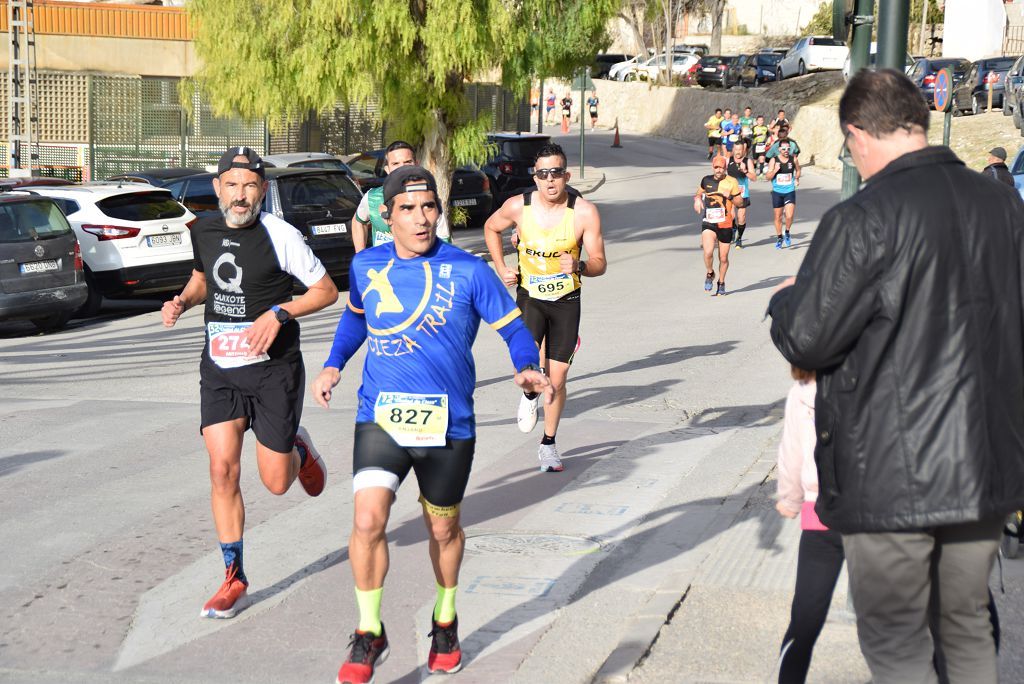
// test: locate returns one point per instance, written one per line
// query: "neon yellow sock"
(369, 610)
(444, 606)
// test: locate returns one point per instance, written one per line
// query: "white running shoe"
(549, 461)
(527, 416)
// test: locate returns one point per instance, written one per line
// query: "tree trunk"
(717, 8)
(436, 157)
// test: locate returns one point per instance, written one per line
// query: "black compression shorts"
(724, 235)
(269, 394)
(556, 324)
(442, 472)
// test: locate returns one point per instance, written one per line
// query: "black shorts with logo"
(441, 472)
(269, 394)
(724, 235)
(555, 323)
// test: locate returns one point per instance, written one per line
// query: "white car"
(812, 53)
(134, 237)
(651, 69)
(305, 160)
(618, 71)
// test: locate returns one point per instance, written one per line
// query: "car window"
(999, 64)
(364, 166)
(32, 220)
(710, 61)
(319, 164)
(175, 188)
(67, 206)
(826, 42)
(917, 71)
(199, 196)
(141, 206)
(768, 60)
(523, 149)
(329, 191)
(1018, 165)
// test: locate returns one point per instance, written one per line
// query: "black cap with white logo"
(253, 161)
(408, 179)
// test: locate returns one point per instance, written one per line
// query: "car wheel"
(630, 77)
(91, 307)
(1007, 108)
(757, 82)
(778, 74)
(956, 111)
(53, 322)
(1018, 120)
(801, 68)
(977, 106)
(1010, 545)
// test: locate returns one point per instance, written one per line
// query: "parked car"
(156, 176)
(19, 182)
(305, 160)
(134, 237)
(651, 70)
(716, 70)
(698, 49)
(812, 53)
(511, 168)
(41, 277)
(971, 94)
(1017, 170)
(908, 62)
(924, 71)
(758, 68)
(603, 63)
(320, 203)
(471, 188)
(617, 72)
(1012, 86)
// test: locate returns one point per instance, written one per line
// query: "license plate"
(330, 229)
(709, 70)
(464, 202)
(38, 266)
(171, 240)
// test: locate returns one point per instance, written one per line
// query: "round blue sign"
(943, 83)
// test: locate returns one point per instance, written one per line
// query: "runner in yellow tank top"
(553, 224)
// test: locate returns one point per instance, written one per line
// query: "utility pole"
(924, 23)
(860, 45)
(893, 22)
(21, 81)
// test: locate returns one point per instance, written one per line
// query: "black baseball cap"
(998, 152)
(397, 182)
(253, 161)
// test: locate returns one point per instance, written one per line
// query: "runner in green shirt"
(760, 144)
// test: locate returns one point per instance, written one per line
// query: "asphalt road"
(653, 531)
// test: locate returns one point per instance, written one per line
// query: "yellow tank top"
(540, 272)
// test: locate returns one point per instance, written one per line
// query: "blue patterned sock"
(233, 555)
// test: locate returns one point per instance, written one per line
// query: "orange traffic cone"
(616, 143)
(565, 124)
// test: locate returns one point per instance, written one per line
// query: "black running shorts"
(555, 324)
(269, 394)
(442, 472)
(724, 235)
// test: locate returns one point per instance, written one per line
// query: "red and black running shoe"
(445, 653)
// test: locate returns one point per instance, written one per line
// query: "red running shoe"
(229, 599)
(313, 475)
(368, 651)
(445, 653)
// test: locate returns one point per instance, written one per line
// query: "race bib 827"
(413, 420)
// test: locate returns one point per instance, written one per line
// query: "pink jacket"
(798, 475)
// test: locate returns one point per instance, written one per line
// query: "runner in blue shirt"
(784, 173)
(731, 134)
(417, 303)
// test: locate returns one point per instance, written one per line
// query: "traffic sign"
(943, 91)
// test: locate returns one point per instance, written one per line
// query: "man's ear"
(216, 186)
(384, 213)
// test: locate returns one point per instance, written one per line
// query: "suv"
(971, 94)
(41, 275)
(924, 72)
(320, 203)
(511, 168)
(715, 69)
(758, 68)
(134, 237)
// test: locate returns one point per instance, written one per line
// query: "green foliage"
(821, 23)
(273, 58)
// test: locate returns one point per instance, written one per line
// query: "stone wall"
(680, 113)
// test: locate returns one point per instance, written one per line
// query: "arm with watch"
(265, 328)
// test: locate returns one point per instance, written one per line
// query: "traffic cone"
(615, 143)
(565, 124)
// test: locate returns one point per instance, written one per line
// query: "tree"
(277, 58)
(716, 8)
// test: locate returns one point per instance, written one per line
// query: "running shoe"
(229, 599)
(721, 289)
(549, 460)
(445, 653)
(709, 280)
(739, 243)
(778, 242)
(527, 416)
(367, 652)
(788, 241)
(313, 475)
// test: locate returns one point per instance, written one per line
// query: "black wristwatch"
(282, 315)
(530, 366)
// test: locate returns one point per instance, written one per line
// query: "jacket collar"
(933, 154)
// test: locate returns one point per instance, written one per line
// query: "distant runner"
(742, 169)
(760, 144)
(784, 173)
(592, 103)
(713, 126)
(716, 196)
(747, 127)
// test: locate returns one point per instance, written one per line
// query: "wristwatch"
(282, 315)
(530, 366)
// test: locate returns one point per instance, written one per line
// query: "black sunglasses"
(543, 174)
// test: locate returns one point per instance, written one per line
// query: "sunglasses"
(544, 174)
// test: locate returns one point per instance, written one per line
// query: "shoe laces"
(361, 645)
(444, 637)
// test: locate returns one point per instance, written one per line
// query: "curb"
(590, 185)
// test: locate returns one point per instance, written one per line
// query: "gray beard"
(235, 221)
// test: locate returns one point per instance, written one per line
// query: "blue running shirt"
(419, 318)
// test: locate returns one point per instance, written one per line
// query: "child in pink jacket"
(821, 549)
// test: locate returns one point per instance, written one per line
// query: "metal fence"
(1013, 40)
(95, 126)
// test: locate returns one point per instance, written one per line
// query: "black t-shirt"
(248, 270)
(734, 170)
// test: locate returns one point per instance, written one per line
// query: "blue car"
(1017, 169)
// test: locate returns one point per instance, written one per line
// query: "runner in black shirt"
(251, 372)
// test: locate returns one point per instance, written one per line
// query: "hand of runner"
(171, 311)
(698, 206)
(783, 511)
(324, 383)
(535, 381)
(788, 282)
(567, 263)
(508, 277)
(262, 334)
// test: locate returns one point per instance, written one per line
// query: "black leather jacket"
(910, 305)
(1000, 172)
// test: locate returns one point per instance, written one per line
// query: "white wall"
(773, 17)
(974, 29)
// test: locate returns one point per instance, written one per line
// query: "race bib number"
(734, 137)
(549, 286)
(714, 214)
(784, 178)
(380, 237)
(759, 148)
(228, 347)
(593, 109)
(413, 420)
(746, 132)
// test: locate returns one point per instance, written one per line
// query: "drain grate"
(518, 544)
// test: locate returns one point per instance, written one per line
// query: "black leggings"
(818, 565)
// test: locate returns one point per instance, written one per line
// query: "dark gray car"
(41, 277)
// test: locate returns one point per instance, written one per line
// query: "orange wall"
(107, 20)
